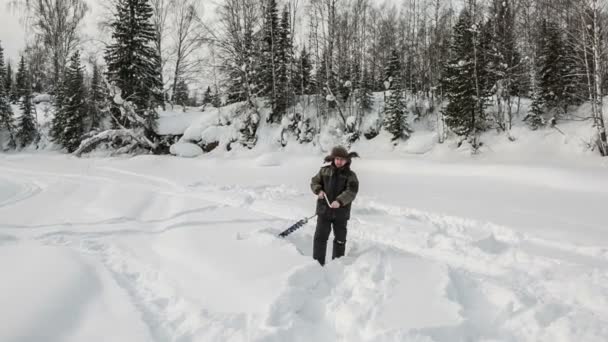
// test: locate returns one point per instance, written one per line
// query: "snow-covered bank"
(166, 248)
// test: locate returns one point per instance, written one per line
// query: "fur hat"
(340, 151)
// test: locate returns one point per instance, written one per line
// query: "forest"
(462, 66)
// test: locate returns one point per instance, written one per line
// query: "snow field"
(164, 249)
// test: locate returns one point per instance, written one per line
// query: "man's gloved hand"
(335, 204)
(321, 194)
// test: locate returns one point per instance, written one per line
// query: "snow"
(57, 294)
(42, 98)
(508, 245)
(184, 149)
(176, 122)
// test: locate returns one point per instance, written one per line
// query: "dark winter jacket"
(339, 184)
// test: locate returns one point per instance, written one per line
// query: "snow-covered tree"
(68, 125)
(181, 94)
(302, 80)
(558, 73)
(365, 96)
(270, 59)
(395, 110)
(134, 62)
(501, 58)
(6, 112)
(284, 66)
(21, 82)
(6, 118)
(99, 101)
(534, 117)
(8, 83)
(2, 70)
(27, 131)
(464, 113)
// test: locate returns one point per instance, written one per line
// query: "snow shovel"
(296, 226)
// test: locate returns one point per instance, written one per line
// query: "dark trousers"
(324, 226)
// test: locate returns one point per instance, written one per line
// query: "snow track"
(409, 274)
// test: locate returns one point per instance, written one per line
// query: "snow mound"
(185, 149)
(176, 122)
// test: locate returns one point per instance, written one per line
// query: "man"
(336, 186)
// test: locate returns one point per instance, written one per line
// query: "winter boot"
(319, 250)
(339, 248)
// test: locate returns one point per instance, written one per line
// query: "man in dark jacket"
(336, 186)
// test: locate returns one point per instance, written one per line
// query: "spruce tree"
(365, 96)
(98, 104)
(6, 112)
(392, 71)
(284, 67)
(395, 109)
(133, 61)
(69, 123)
(242, 81)
(181, 93)
(534, 118)
(207, 97)
(2, 71)
(558, 71)
(270, 59)
(21, 80)
(27, 132)
(303, 82)
(8, 84)
(6, 117)
(464, 113)
(216, 100)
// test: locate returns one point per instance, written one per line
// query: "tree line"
(465, 65)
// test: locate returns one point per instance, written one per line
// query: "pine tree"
(284, 67)
(534, 118)
(558, 71)
(242, 81)
(21, 81)
(216, 100)
(8, 84)
(302, 81)
(6, 118)
(68, 125)
(133, 61)
(395, 109)
(98, 104)
(270, 59)
(464, 113)
(27, 132)
(2, 72)
(365, 96)
(6, 112)
(207, 97)
(392, 71)
(181, 93)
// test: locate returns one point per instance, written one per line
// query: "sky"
(12, 33)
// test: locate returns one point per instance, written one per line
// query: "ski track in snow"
(507, 286)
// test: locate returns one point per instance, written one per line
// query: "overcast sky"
(11, 32)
